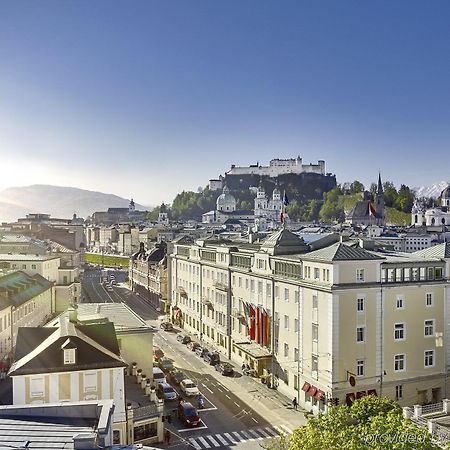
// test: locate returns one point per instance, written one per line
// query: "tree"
(405, 199)
(371, 423)
(390, 194)
(356, 187)
(331, 209)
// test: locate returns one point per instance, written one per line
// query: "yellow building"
(325, 326)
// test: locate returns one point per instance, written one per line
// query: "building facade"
(326, 326)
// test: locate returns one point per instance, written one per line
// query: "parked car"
(211, 358)
(166, 326)
(225, 368)
(177, 376)
(157, 354)
(188, 387)
(166, 392)
(158, 376)
(183, 338)
(200, 351)
(193, 345)
(166, 364)
(188, 414)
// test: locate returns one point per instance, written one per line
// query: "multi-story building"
(329, 325)
(24, 301)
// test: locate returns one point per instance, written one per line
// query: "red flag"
(372, 211)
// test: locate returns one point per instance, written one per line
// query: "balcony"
(221, 286)
(238, 314)
(182, 291)
(206, 301)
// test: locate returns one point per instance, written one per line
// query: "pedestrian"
(294, 403)
(167, 437)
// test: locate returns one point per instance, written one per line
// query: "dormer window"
(69, 349)
(69, 355)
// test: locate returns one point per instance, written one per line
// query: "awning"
(372, 392)
(312, 391)
(306, 386)
(319, 395)
(361, 394)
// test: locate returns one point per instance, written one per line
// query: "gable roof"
(284, 242)
(341, 252)
(39, 351)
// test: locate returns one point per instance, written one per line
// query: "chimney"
(85, 441)
(73, 316)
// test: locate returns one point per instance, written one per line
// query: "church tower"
(380, 209)
(131, 207)
(261, 201)
(163, 217)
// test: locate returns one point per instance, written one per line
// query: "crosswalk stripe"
(271, 431)
(247, 436)
(196, 446)
(230, 438)
(288, 430)
(254, 433)
(260, 430)
(279, 430)
(238, 436)
(214, 442)
(203, 441)
(221, 439)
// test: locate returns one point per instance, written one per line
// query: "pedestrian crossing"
(234, 437)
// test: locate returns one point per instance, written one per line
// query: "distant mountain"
(433, 191)
(58, 201)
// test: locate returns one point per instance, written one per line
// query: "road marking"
(238, 435)
(194, 444)
(208, 409)
(230, 438)
(204, 427)
(206, 387)
(226, 395)
(214, 442)
(204, 442)
(263, 432)
(280, 431)
(254, 420)
(247, 436)
(270, 431)
(288, 430)
(221, 439)
(254, 433)
(237, 404)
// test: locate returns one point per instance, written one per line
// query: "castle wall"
(279, 167)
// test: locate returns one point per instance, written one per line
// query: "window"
(297, 296)
(286, 350)
(399, 362)
(90, 382)
(360, 334)
(399, 331)
(37, 387)
(315, 302)
(69, 356)
(314, 366)
(398, 392)
(315, 332)
(296, 354)
(360, 367)
(296, 325)
(286, 294)
(360, 275)
(33, 266)
(399, 303)
(429, 358)
(429, 299)
(316, 273)
(360, 304)
(277, 292)
(286, 322)
(429, 328)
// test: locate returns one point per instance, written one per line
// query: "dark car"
(166, 364)
(184, 339)
(200, 351)
(193, 345)
(166, 326)
(166, 392)
(225, 369)
(177, 376)
(188, 414)
(212, 358)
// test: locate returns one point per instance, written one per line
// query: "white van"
(158, 376)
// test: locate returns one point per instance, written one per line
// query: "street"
(238, 410)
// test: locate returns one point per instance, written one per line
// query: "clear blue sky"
(147, 98)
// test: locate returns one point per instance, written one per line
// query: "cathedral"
(268, 209)
(433, 217)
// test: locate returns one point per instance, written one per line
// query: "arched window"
(443, 221)
(433, 221)
(415, 218)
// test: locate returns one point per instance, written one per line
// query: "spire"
(380, 184)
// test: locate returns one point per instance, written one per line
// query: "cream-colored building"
(72, 362)
(25, 301)
(329, 325)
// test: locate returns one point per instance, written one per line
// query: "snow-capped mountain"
(433, 191)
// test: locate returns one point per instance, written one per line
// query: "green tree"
(331, 210)
(390, 194)
(356, 187)
(371, 423)
(405, 199)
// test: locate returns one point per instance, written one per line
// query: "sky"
(145, 99)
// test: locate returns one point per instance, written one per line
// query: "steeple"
(381, 212)
(380, 185)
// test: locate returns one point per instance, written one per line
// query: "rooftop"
(15, 257)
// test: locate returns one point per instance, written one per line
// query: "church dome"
(446, 193)
(225, 201)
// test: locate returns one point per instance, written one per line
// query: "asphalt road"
(226, 420)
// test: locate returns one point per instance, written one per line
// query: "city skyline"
(148, 101)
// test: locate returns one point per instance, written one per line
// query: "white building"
(433, 217)
(269, 209)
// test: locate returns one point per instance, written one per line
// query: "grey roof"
(284, 242)
(39, 352)
(436, 251)
(341, 252)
